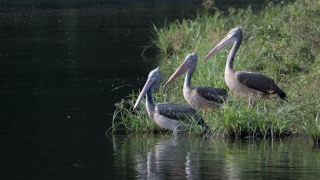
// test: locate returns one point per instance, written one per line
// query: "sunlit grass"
(312, 127)
(280, 41)
(133, 121)
(237, 120)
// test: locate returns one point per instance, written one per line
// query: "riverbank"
(280, 41)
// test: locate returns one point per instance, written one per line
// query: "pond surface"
(63, 65)
(174, 157)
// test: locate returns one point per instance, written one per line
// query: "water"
(165, 157)
(63, 65)
(62, 68)
(61, 72)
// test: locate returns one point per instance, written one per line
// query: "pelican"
(200, 97)
(249, 84)
(174, 117)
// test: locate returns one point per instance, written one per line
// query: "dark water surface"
(62, 68)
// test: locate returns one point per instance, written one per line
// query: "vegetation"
(281, 41)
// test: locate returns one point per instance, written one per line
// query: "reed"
(281, 41)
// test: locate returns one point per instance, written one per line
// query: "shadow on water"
(165, 157)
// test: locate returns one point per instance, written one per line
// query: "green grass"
(134, 121)
(280, 41)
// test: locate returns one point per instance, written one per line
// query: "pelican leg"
(252, 102)
(252, 99)
(203, 113)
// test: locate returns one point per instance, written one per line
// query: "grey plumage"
(198, 97)
(260, 82)
(182, 112)
(250, 84)
(218, 95)
(174, 117)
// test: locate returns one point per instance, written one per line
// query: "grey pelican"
(250, 84)
(199, 97)
(174, 117)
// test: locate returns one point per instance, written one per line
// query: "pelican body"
(170, 116)
(199, 97)
(243, 83)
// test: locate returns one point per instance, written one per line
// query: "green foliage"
(133, 121)
(263, 120)
(280, 41)
(312, 127)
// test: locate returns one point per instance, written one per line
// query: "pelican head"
(189, 62)
(153, 81)
(234, 35)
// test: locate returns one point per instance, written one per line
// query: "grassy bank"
(280, 41)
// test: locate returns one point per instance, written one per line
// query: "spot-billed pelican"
(198, 97)
(250, 84)
(174, 117)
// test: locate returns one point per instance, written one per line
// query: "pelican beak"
(227, 40)
(180, 70)
(144, 91)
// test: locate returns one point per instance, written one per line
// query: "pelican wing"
(218, 95)
(178, 112)
(259, 82)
